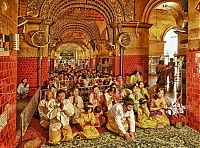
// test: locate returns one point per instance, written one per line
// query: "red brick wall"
(131, 63)
(51, 65)
(193, 89)
(8, 81)
(27, 68)
(44, 70)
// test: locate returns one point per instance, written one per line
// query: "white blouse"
(60, 117)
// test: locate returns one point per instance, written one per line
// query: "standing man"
(121, 119)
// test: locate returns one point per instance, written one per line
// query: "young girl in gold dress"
(87, 121)
(144, 119)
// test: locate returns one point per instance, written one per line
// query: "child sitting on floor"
(100, 119)
(87, 121)
(144, 119)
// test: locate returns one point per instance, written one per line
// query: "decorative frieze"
(11, 26)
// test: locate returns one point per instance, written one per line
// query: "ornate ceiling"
(83, 21)
(90, 19)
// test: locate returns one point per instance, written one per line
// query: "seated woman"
(77, 102)
(117, 93)
(143, 91)
(111, 99)
(158, 107)
(144, 119)
(87, 122)
(23, 88)
(97, 98)
(136, 77)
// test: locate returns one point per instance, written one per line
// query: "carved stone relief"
(50, 8)
(110, 34)
(8, 23)
(129, 11)
(34, 7)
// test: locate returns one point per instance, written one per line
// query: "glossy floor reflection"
(170, 89)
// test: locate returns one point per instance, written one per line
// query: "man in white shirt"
(59, 129)
(121, 119)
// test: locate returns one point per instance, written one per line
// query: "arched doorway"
(171, 45)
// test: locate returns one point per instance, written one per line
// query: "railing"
(27, 113)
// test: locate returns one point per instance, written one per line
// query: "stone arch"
(59, 28)
(151, 5)
(91, 31)
(165, 32)
(79, 43)
(50, 9)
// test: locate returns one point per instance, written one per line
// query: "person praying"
(44, 107)
(59, 128)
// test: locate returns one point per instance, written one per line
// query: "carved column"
(30, 58)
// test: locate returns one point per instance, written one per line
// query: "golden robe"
(119, 120)
(144, 119)
(59, 129)
(159, 116)
(87, 121)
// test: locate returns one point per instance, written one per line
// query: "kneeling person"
(144, 119)
(121, 119)
(44, 107)
(59, 129)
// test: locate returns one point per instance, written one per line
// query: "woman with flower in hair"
(159, 105)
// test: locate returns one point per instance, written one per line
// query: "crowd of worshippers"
(120, 110)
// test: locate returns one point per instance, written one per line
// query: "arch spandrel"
(51, 8)
(152, 4)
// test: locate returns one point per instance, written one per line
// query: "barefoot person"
(121, 119)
